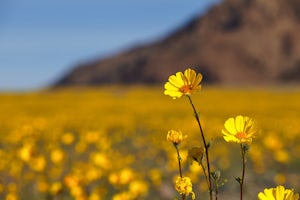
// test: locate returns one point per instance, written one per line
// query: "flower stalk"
(179, 160)
(206, 146)
(239, 129)
(183, 184)
(241, 181)
(179, 166)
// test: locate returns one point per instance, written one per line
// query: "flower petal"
(173, 94)
(239, 123)
(230, 138)
(279, 192)
(176, 80)
(185, 83)
(190, 75)
(230, 126)
(169, 86)
(197, 80)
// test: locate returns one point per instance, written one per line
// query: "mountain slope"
(236, 42)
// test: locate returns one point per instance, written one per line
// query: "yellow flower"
(67, 138)
(241, 129)
(123, 177)
(122, 196)
(183, 84)
(38, 163)
(42, 186)
(278, 193)
(55, 188)
(126, 175)
(138, 188)
(184, 186)
(175, 137)
(101, 160)
(71, 181)
(57, 156)
(26, 152)
(11, 196)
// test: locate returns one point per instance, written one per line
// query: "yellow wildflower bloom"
(100, 159)
(126, 175)
(123, 177)
(94, 196)
(122, 196)
(278, 193)
(42, 186)
(57, 155)
(183, 84)
(241, 129)
(113, 178)
(175, 137)
(184, 186)
(138, 188)
(38, 163)
(55, 188)
(11, 196)
(26, 152)
(71, 181)
(67, 138)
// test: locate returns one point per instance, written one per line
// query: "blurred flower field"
(110, 142)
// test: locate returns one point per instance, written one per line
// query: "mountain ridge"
(235, 42)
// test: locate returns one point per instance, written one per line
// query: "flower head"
(241, 129)
(183, 84)
(184, 186)
(278, 193)
(195, 154)
(175, 137)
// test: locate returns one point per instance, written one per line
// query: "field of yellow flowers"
(110, 142)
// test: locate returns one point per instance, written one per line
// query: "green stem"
(205, 146)
(243, 171)
(179, 160)
(179, 166)
(216, 190)
(205, 173)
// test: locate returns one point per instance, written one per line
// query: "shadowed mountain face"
(236, 42)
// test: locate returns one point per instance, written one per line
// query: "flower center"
(241, 135)
(186, 89)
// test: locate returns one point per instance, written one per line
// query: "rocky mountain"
(235, 42)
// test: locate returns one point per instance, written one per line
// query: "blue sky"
(42, 40)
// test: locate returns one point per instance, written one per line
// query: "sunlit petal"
(240, 129)
(185, 83)
(278, 193)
